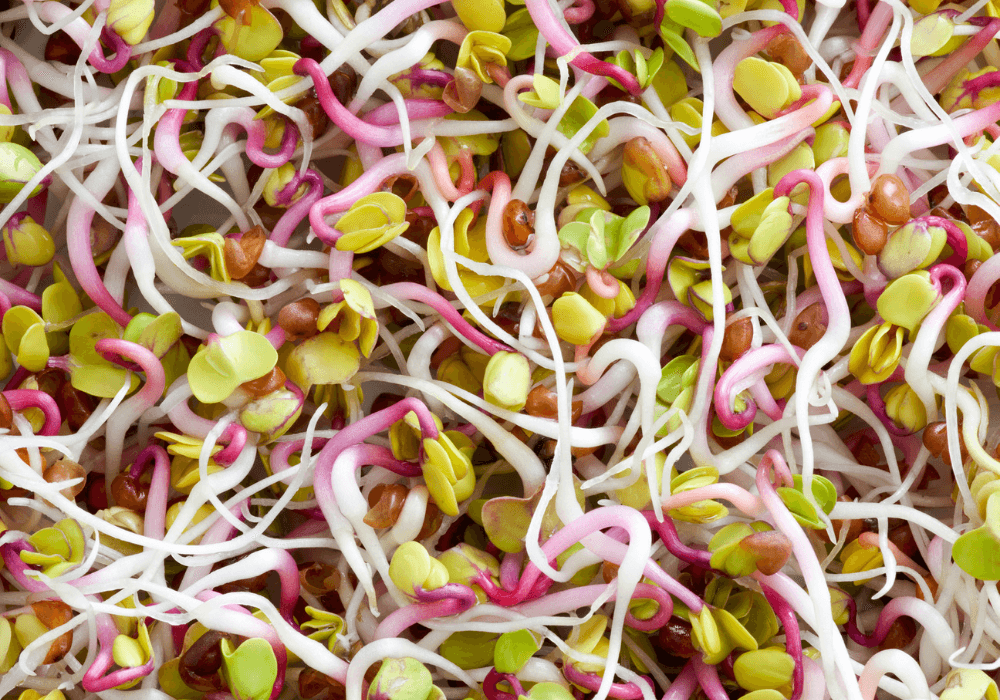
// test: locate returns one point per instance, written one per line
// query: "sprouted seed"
(485, 350)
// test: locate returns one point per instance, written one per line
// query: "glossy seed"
(518, 223)
(241, 255)
(675, 638)
(319, 578)
(808, 327)
(6, 413)
(386, 502)
(560, 279)
(65, 470)
(268, 384)
(316, 116)
(869, 232)
(129, 493)
(433, 517)
(890, 200)
(200, 664)
(298, 319)
(737, 339)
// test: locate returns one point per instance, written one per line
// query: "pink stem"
(563, 42)
(410, 291)
(663, 236)
(752, 362)
(21, 399)
(154, 524)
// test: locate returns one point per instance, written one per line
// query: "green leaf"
(523, 34)
(575, 235)
(17, 166)
(673, 36)
(481, 15)
(631, 228)
(673, 378)
(763, 669)
(10, 648)
(86, 332)
(469, 649)
(127, 652)
(513, 650)
(907, 300)
(824, 492)
(60, 303)
(252, 41)
(761, 84)
(977, 553)
(401, 679)
(160, 333)
(250, 670)
(696, 15)
(322, 359)
(931, 34)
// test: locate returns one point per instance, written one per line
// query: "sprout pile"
(486, 350)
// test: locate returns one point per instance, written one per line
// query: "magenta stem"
(793, 637)
(752, 362)
(21, 399)
(290, 220)
(563, 42)
(411, 291)
(154, 524)
(592, 682)
(663, 236)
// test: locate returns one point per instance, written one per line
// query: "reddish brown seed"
(787, 50)
(902, 537)
(62, 49)
(343, 82)
(433, 517)
(985, 226)
(75, 406)
(571, 173)
(559, 280)
(463, 91)
(65, 470)
(542, 403)
(518, 223)
(6, 413)
(694, 243)
(675, 638)
(609, 571)
(900, 634)
(199, 665)
(94, 494)
(129, 493)
(869, 232)
(52, 614)
(319, 578)
(935, 438)
(404, 185)
(386, 502)
(242, 255)
(890, 200)
(808, 327)
(970, 267)
(298, 319)
(269, 383)
(319, 122)
(771, 548)
(313, 685)
(736, 340)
